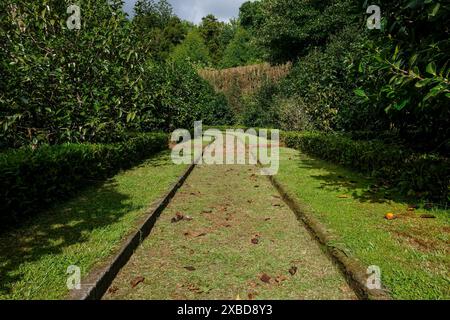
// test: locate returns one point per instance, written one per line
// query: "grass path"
(237, 240)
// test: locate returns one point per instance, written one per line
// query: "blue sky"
(194, 10)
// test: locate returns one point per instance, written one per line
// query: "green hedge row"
(426, 174)
(32, 179)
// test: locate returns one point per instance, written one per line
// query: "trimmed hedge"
(426, 174)
(31, 179)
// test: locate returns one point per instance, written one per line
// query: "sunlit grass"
(412, 252)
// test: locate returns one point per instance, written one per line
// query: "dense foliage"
(158, 28)
(94, 84)
(193, 49)
(388, 86)
(32, 179)
(242, 50)
(348, 78)
(411, 173)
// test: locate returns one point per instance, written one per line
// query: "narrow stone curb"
(352, 269)
(95, 285)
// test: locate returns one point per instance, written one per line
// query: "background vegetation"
(399, 76)
(390, 85)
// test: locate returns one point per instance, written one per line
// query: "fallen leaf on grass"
(194, 289)
(265, 278)
(136, 281)
(113, 290)
(293, 270)
(255, 240)
(276, 204)
(190, 268)
(343, 196)
(198, 234)
(428, 216)
(280, 279)
(178, 217)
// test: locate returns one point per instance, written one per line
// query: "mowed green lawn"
(82, 232)
(412, 252)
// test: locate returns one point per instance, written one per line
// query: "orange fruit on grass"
(390, 216)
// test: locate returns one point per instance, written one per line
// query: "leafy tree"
(211, 30)
(228, 33)
(89, 85)
(193, 49)
(241, 51)
(251, 15)
(406, 71)
(158, 27)
(292, 27)
(150, 14)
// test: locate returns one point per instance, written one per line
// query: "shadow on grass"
(340, 179)
(54, 230)
(65, 224)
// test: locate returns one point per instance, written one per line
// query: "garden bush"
(90, 85)
(32, 179)
(427, 175)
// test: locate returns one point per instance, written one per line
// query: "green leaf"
(435, 10)
(401, 106)
(360, 67)
(131, 116)
(431, 68)
(360, 93)
(423, 83)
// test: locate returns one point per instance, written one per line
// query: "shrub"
(32, 179)
(59, 85)
(426, 174)
(259, 110)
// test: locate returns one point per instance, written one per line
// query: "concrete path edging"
(97, 282)
(352, 269)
